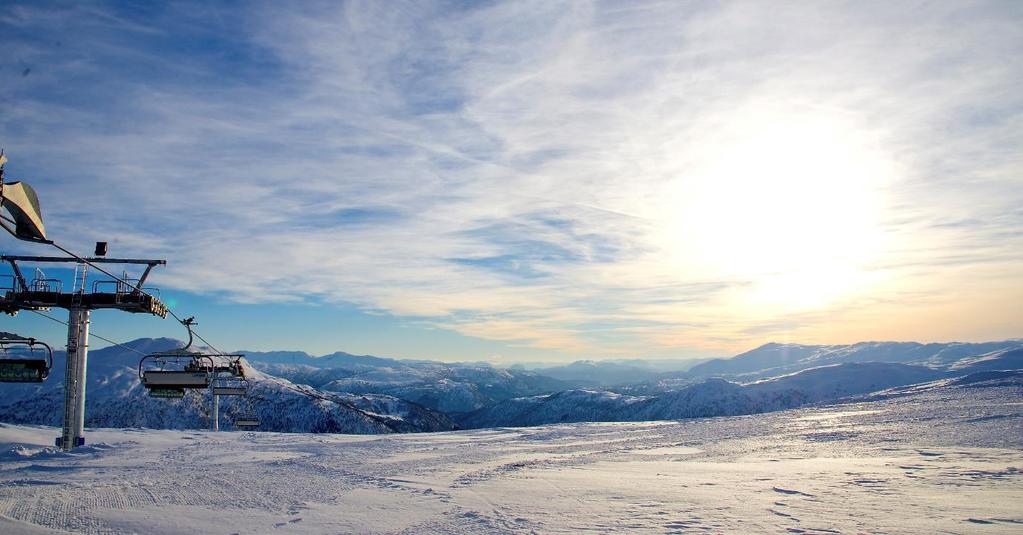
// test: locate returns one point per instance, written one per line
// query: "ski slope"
(944, 457)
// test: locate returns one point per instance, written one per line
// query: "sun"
(791, 204)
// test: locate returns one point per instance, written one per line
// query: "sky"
(531, 181)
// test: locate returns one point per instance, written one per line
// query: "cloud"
(539, 173)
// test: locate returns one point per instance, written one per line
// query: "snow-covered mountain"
(774, 359)
(115, 398)
(340, 392)
(446, 387)
(336, 360)
(840, 380)
(713, 397)
(567, 406)
(1004, 359)
(592, 373)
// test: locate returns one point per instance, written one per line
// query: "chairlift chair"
(248, 419)
(229, 386)
(247, 422)
(175, 372)
(33, 367)
(232, 366)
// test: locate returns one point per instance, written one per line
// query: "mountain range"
(345, 393)
(116, 398)
(774, 358)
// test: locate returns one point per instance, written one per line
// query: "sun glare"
(789, 203)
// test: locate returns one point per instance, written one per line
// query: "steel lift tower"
(43, 294)
(25, 222)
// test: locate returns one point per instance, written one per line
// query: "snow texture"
(943, 456)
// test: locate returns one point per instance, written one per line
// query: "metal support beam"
(18, 275)
(74, 379)
(216, 411)
(142, 279)
(100, 260)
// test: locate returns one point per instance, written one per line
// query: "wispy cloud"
(582, 177)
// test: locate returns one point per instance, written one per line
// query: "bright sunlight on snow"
(940, 457)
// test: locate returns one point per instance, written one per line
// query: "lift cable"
(181, 320)
(129, 284)
(92, 334)
(294, 388)
(199, 336)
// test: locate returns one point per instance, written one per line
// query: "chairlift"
(232, 366)
(31, 364)
(247, 419)
(167, 393)
(169, 374)
(229, 386)
(247, 422)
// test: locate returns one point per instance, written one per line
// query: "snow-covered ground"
(945, 458)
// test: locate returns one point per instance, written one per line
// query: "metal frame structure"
(228, 381)
(195, 374)
(43, 294)
(24, 370)
(222, 373)
(25, 222)
(247, 421)
(229, 386)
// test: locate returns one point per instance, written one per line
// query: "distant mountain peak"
(778, 358)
